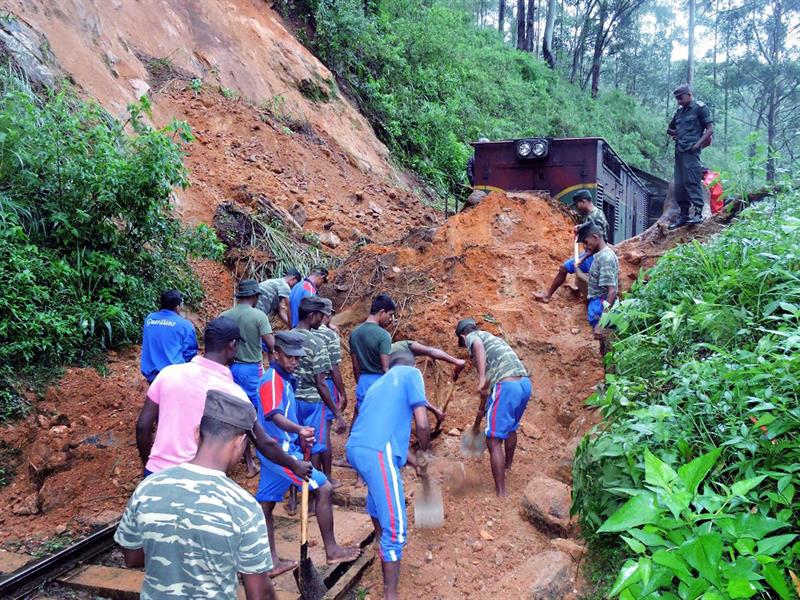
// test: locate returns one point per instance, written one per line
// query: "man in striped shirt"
(502, 381)
(277, 414)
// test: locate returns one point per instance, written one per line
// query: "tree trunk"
(690, 59)
(580, 44)
(547, 42)
(501, 16)
(597, 55)
(521, 43)
(530, 41)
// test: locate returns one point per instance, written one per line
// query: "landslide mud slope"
(484, 263)
(107, 47)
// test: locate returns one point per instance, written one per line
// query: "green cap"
(315, 304)
(290, 343)
(229, 409)
(581, 195)
(247, 288)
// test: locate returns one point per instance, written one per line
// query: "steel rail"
(29, 577)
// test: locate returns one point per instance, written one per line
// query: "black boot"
(696, 219)
(682, 220)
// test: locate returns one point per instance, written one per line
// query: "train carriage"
(560, 166)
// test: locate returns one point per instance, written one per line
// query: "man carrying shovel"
(503, 381)
(277, 414)
(582, 202)
(377, 449)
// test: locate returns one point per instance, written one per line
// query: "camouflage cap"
(290, 343)
(581, 195)
(229, 409)
(681, 90)
(329, 304)
(314, 304)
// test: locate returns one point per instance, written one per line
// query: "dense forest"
(435, 74)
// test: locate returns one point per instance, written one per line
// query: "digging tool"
(473, 440)
(309, 581)
(428, 505)
(437, 430)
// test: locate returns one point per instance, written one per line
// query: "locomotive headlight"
(532, 148)
(539, 148)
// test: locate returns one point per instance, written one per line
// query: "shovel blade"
(473, 444)
(428, 507)
(309, 581)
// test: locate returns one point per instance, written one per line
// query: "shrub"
(707, 360)
(87, 241)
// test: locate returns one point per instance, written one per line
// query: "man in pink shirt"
(176, 400)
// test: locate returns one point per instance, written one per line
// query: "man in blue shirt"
(377, 449)
(277, 414)
(308, 287)
(167, 338)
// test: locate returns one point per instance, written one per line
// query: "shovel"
(428, 505)
(309, 581)
(437, 430)
(473, 440)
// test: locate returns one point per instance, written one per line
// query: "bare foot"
(281, 566)
(335, 484)
(291, 507)
(340, 554)
(541, 297)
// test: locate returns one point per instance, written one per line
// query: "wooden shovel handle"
(304, 510)
(449, 396)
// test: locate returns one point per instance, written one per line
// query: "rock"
(475, 198)
(429, 556)
(546, 503)
(44, 457)
(30, 505)
(476, 546)
(29, 51)
(330, 239)
(140, 87)
(375, 208)
(575, 330)
(61, 529)
(43, 421)
(563, 471)
(553, 575)
(454, 432)
(568, 546)
(565, 415)
(486, 535)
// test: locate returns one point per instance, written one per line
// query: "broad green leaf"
(703, 553)
(645, 570)
(677, 501)
(639, 510)
(749, 525)
(628, 575)
(741, 588)
(773, 545)
(634, 545)
(744, 546)
(693, 473)
(673, 561)
(776, 580)
(740, 488)
(711, 595)
(657, 472)
(647, 538)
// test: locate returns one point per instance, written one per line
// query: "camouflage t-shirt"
(598, 219)
(332, 343)
(272, 290)
(402, 345)
(315, 361)
(603, 273)
(198, 529)
(501, 360)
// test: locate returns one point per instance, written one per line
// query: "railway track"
(32, 576)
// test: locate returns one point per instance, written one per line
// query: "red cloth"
(713, 183)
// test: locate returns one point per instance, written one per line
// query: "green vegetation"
(430, 80)
(696, 465)
(87, 241)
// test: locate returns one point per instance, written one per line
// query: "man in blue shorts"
(503, 381)
(277, 414)
(306, 288)
(603, 278)
(582, 202)
(370, 346)
(377, 450)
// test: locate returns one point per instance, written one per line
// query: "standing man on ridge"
(167, 338)
(308, 287)
(691, 127)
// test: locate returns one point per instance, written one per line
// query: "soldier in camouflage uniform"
(274, 298)
(193, 528)
(334, 382)
(603, 279)
(582, 203)
(691, 127)
(503, 381)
